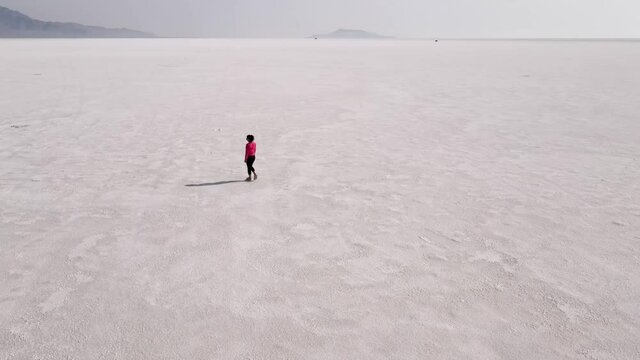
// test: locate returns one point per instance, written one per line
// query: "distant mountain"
(350, 34)
(14, 24)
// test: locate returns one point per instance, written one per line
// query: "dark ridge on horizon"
(14, 24)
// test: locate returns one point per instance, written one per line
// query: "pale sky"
(301, 18)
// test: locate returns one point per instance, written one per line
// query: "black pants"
(250, 161)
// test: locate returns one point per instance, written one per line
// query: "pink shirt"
(249, 150)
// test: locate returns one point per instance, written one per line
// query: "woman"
(250, 157)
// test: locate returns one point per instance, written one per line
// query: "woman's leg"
(250, 168)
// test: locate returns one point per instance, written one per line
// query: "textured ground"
(459, 200)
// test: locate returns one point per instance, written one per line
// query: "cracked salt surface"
(465, 200)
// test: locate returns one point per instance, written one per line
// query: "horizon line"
(325, 38)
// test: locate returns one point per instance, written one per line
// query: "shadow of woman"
(215, 183)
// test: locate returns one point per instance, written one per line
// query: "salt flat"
(458, 200)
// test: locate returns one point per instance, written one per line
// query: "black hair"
(250, 137)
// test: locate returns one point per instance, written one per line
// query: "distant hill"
(14, 24)
(350, 34)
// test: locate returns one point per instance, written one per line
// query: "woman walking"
(250, 157)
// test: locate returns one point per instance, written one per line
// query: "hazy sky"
(300, 18)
